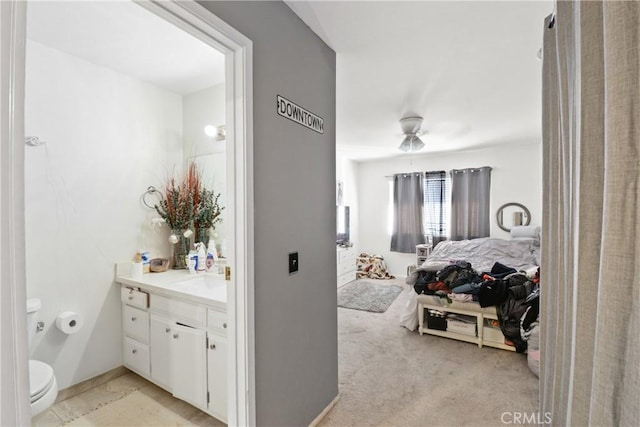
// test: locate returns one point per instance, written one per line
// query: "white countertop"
(203, 288)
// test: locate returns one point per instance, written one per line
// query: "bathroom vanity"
(175, 335)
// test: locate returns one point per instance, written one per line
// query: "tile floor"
(78, 408)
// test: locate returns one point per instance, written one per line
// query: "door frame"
(201, 23)
(14, 375)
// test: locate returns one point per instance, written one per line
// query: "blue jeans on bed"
(468, 288)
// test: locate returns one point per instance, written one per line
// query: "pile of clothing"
(515, 294)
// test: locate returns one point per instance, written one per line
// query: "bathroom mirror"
(202, 111)
(512, 214)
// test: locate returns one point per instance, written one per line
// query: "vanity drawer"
(217, 321)
(183, 312)
(134, 297)
(136, 356)
(135, 323)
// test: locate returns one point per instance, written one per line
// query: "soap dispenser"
(212, 255)
(192, 260)
(202, 257)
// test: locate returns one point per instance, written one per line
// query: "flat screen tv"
(342, 224)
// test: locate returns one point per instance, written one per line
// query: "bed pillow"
(525, 232)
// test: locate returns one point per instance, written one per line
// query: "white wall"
(107, 137)
(516, 177)
(347, 172)
(202, 108)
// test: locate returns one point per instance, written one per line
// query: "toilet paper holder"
(69, 322)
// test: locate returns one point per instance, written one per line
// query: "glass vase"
(181, 247)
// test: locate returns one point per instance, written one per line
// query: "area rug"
(368, 295)
(135, 409)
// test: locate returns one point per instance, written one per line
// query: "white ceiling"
(127, 38)
(469, 68)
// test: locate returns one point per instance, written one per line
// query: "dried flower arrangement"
(188, 204)
(177, 206)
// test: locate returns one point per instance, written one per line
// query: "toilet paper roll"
(136, 270)
(69, 322)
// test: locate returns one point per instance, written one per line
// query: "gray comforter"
(482, 254)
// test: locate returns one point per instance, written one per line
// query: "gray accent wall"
(294, 198)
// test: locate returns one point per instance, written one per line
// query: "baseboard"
(86, 385)
(324, 412)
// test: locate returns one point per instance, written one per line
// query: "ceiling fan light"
(417, 144)
(406, 144)
(411, 125)
(411, 128)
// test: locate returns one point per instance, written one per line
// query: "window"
(437, 204)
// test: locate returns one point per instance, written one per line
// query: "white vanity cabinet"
(178, 344)
(189, 364)
(217, 362)
(136, 356)
(217, 375)
(179, 358)
(135, 327)
(160, 337)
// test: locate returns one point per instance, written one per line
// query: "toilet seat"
(41, 379)
(43, 387)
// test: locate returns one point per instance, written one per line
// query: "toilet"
(42, 382)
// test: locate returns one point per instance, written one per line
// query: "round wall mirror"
(512, 214)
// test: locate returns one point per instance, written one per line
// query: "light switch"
(293, 262)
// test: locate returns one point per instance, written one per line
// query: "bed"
(502, 286)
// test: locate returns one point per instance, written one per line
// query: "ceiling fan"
(411, 129)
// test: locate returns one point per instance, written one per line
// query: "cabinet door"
(189, 365)
(217, 376)
(161, 340)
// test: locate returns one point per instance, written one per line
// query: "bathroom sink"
(205, 281)
(213, 287)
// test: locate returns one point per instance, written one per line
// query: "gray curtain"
(408, 229)
(590, 273)
(470, 196)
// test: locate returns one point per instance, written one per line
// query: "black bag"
(424, 278)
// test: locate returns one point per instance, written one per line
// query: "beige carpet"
(392, 377)
(135, 409)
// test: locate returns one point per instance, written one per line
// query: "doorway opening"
(107, 137)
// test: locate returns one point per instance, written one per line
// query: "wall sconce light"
(219, 133)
